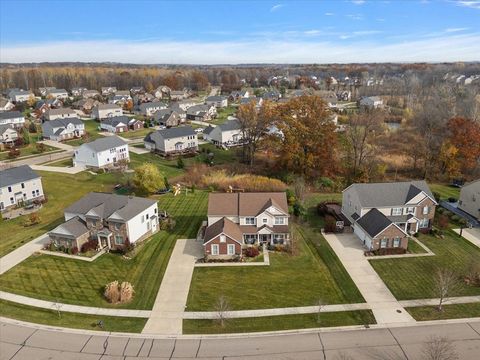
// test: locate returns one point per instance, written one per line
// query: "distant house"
(227, 134)
(114, 221)
(271, 95)
(102, 153)
(19, 186)
(167, 117)
(44, 90)
(103, 111)
(344, 95)
(41, 107)
(254, 99)
(175, 140)
(135, 124)
(148, 109)
(371, 102)
(178, 95)
(12, 118)
(469, 200)
(116, 124)
(201, 112)
(385, 214)
(121, 96)
(239, 220)
(6, 105)
(20, 95)
(63, 129)
(61, 94)
(90, 94)
(137, 90)
(54, 103)
(143, 98)
(8, 135)
(61, 113)
(217, 101)
(77, 91)
(86, 105)
(162, 92)
(108, 90)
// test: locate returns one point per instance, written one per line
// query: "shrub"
(440, 210)
(74, 250)
(330, 224)
(32, 127)
(167, 224)
(40, 147)
(298, 209)
(436, 195)
(13, 153)
(126, 292)
(390, 251)
(33, 219)
(91, 244)
(180, 163)
(455, 218)
(443, 221)
(112, 293)
(251, 251)
(220, 180)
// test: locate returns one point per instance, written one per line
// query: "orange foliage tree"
(464, 135)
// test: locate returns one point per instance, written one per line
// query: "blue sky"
(212, 32)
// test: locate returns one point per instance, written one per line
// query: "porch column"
(99, 241)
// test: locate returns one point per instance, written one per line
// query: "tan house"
(469, 200)
(62, 113)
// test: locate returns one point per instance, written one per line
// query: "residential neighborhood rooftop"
(16, 175)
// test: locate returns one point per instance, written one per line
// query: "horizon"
(241, 33)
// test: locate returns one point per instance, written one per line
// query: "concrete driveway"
(385, 307)
(17, 256)
(472, 235)
(167, 313)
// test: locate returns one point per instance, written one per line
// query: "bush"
(298, 209)
(74, 250)
(220, 180)
(126, 292)
(330, 224)
(112, 293)
(436, 195)
(443, 221)
(40, 147)
(33, 219)
(13, 153)
(91, 244)
(180, 163)
(390, 251)
(32, 127)
(167, 224)
(251, 251)
(440, 210)
(455, 218)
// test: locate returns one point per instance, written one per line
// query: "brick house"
(384, 215)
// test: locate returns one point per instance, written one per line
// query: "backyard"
(223, 114)
(137, 134)
(91, 127)
(78, 282)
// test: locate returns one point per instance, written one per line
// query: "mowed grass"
(168, 168)
(445, 191)
(61, 190)
(78, 282)
(61, 163)
(136, 134)
(72, 320)
(414, 278)
(91, 127)
(450, 311)
(29, 150)
(223, 114)
(282, 322)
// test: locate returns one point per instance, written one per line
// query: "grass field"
(78, 282)
(91, 127)
(445, 191)
(61, 163)
(28, 150)
(452, 311)
(223, 114)
(140, 133)
(168, 168)
(61, 190)
(413, 278)
(72, 320)
(282, 322)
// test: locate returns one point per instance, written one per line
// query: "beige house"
(469, 200)
(103, 111)
(62, 113)
(176, 140)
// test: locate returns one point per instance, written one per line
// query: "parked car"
(199, 130)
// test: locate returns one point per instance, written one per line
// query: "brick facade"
(222, 248)
(390, 233)
(431, 214)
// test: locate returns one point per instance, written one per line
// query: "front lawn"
(78, 282)
(223, 114)
(91, 128)
(29, 150)
(413, 278)
(72, 320)
(281, 322)
(61, 163)
(140, 133)
(451, 311)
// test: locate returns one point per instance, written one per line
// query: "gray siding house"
(172, 141)
(63, 129)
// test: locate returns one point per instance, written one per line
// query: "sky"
(239, 32)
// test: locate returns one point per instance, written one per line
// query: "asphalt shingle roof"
(171, 133)
(17, 175)
(105, 143)
(374, 222)
(10, 115)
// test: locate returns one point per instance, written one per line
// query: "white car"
(199, 130)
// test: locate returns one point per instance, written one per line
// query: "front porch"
(266, 238)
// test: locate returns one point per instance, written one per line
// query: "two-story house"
(20, 95)
(176, 140)
(217, 101)
(103, 111)
(371, 102)
(469, 200)
(227, 134)
(77, 91)
(8, 135)
(383, 215)
(61, 94)
(63, 129)
(201, 112)
(12, 118)
(62, 113)
(238, 220)
(116, 124)
(148, 109)
(19, 186)
(113, 220)
(167, 117)
(102, 153)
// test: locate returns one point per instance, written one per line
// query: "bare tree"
(446, 282)
(222, 307)
(439, 348)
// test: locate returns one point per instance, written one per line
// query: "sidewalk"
(39, 159)
(385, 308)
(59, 169)
(446, 301)
(167, 313)
(58, 144)
(17, 256)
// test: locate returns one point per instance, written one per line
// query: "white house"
(101, 153)
(228, 134)
(172, 141)
(19, 185)
(150, 108)
(19, 95)
(217, 101)
(371, 102)
(61, 94)
(6, 105)
(8, 135)
(116, 124)
(108, 90)
(103, 111)
(44, 90)
(61, 113)
(13, 118)
(63, 129)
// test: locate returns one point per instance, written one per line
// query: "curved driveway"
(28, 341)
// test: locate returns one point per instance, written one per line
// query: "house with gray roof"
(469, 200)
(149, 108)
(217, 101)
(371, 102)
(12, 118)
(168, 117)
(63, 129)
(19, 186)
(61, 94)
(176, 140)
(6, 105)
(61, 113)
(103, 111)
(116, 124)
(384, 215)
(227, 134)
(201, 112)
(20, 95)
(105, 152)
(113, 221)
(8, 135)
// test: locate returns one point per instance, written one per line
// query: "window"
(23, 186)
(118, 226)
(11, 201)
(396, 242)
(118, 240)
(249, 238)
(146, 216)
(264, 220)
(279, 220)
(223, 238)
(250, 221)
(426, 210)
(155, 210)
(396, 211)
(278, 238)
(383, 243)
(37, 192)
(423, 223)
(9, 189)
(231, 249)
(33, 192)
(214, 249)
(410, 210)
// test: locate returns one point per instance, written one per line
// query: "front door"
(103, 242)
(264, 238)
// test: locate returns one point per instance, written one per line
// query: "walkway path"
(472, 235)
(58, 144)
(385, 307)
(39, 159)
(167, 312)
(17, 256)
(446, 301)
(137, 150)
(59, 169)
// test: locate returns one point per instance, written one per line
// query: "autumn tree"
(148, 178)
(309, 140)
(446, 282)
(448, 160)
(464, 135)
(199, 81)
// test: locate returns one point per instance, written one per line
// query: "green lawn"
(413, 278)
(61, 190)
(282, 322)
(91, 127)
(141, 133)
(445, 191)
(452, 311)
(167, 167)
(78, 282)
(28, 150)
(414, 248)
(223, 114)
(61, 163)
(220, 156)
(72, 320)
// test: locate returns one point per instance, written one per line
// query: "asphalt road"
(21, 341)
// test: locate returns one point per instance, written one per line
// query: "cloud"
(358, 34)
(452, 30)
(358, 2)
(355, 16)
(276, 7)
(454, 47)
(329, 14)
(474, 4)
